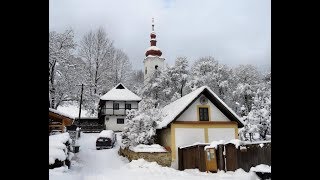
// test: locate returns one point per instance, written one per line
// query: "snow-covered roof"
(160, 57)
(61, 113)
(155, 48)
(174, 109)
(120, 93)
(106, 134)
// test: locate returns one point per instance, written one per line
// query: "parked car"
(105, 140)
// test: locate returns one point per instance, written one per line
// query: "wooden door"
(211, 160)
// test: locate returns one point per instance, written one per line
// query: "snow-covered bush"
(60, 150)
(140, 127)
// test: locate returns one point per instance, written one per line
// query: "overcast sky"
(233, 31)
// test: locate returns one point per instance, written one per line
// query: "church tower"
(153, 59)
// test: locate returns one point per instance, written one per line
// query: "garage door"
(185, 137)
(216, 134)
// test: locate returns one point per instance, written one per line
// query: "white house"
(198, 117)
(113, 106)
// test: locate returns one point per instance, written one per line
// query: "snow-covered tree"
(60, 50)
(244, 94)
(105, 67)
(206, 71)
(69, 75)
(247, 74)
(119, 69)
(259, 115)
(140, 127)
(179, 75)
(135, 82)
(154, 89)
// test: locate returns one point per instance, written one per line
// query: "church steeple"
(153, 60)
(153, 49)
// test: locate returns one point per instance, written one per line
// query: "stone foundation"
(162, 158)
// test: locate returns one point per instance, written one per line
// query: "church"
(153, 59)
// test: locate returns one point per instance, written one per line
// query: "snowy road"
(92, 164)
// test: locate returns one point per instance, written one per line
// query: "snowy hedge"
(59, 150)
(140, 127)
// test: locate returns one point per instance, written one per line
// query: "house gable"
(120, 93)
(175, 109)
(192, 112)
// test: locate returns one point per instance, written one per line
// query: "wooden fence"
(192, 157)
(90, 124)
(245, 156)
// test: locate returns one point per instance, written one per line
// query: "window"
(156, 67)
(203, 114)
(120, 86)
(120, 121)
(128, 106)
(145, 71)
(116, 106)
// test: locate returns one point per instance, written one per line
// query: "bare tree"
(95, 49)
(120, 67)
(105, 65)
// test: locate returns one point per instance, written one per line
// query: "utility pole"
(80, 101)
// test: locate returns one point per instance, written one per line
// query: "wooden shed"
(58, 120)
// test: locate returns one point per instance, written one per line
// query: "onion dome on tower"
(153, 50)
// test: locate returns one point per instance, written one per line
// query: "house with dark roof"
(113, 105)
(198, 117)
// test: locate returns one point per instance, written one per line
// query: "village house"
(113, 105)
(198, 117)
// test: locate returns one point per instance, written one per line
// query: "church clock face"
(203, 100)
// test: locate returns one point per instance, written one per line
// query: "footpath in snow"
(92, 164)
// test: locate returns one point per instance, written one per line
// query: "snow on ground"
(92, 164)
(148, 148)
(72, 110)
(261, 168)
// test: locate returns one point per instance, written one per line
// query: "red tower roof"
(153, 49)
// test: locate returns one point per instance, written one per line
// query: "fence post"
(180, 159)
(220, 157)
